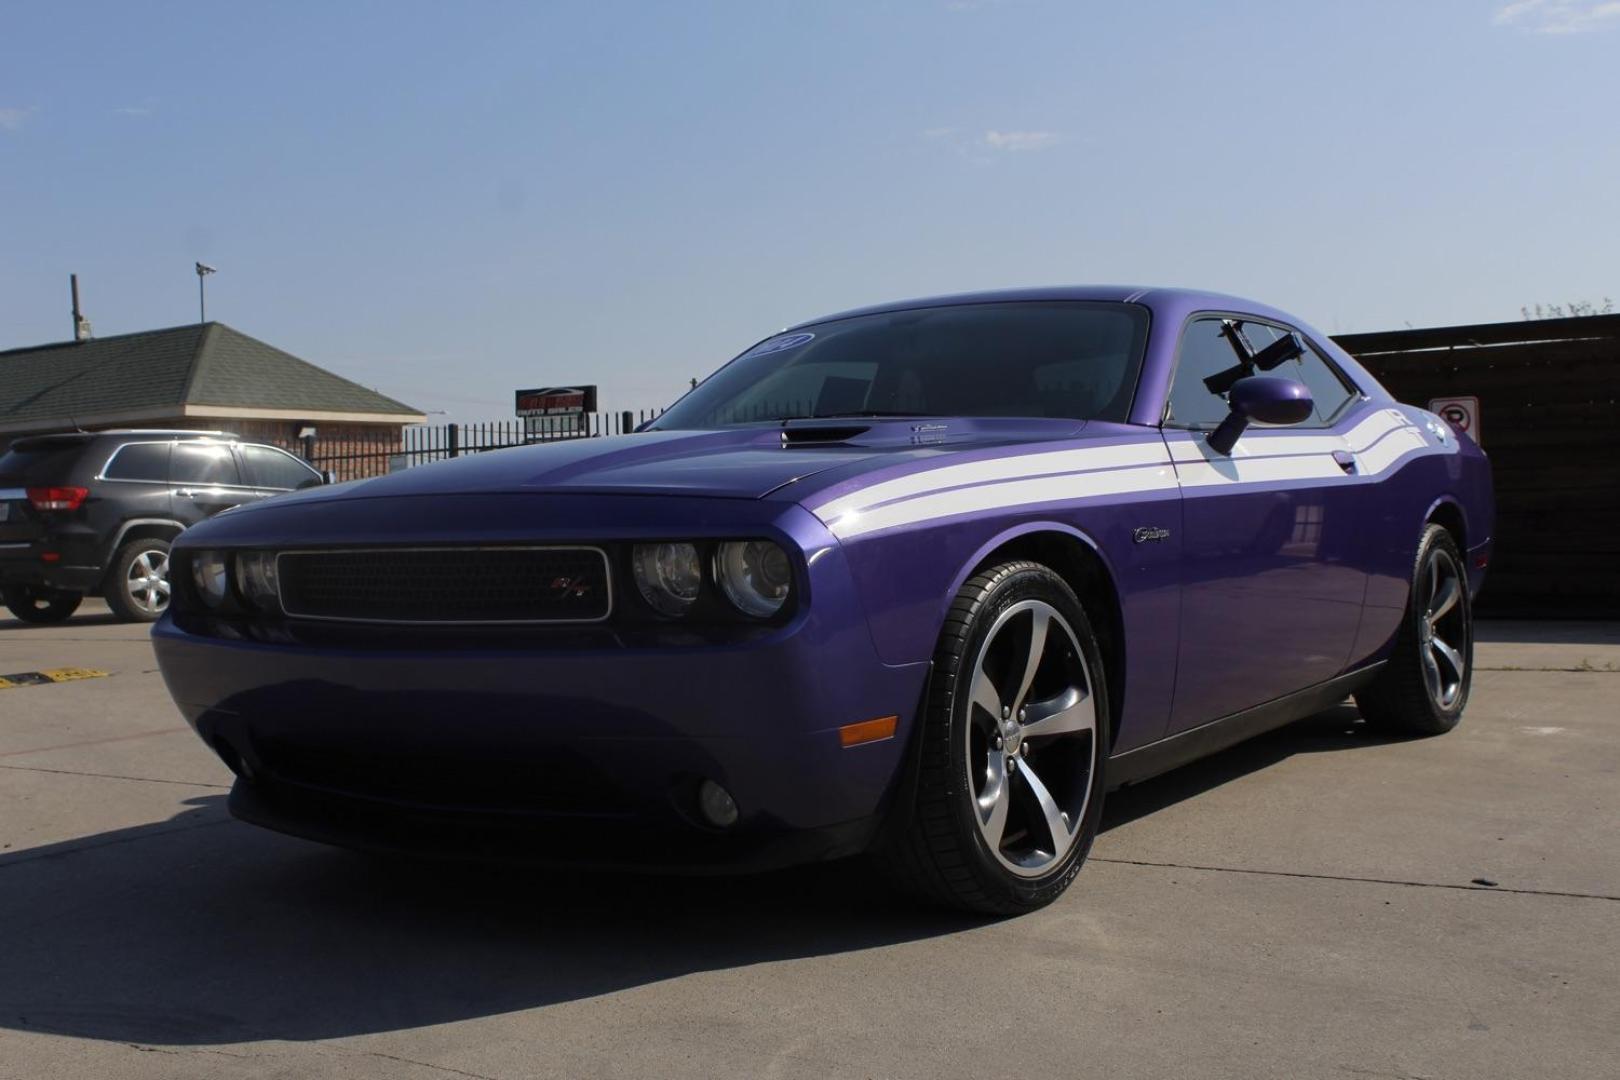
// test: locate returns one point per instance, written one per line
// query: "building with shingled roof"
(200, 376)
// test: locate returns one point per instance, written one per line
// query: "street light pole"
(203, 270)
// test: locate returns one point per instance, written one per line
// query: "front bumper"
(375, 748)
(571, 746)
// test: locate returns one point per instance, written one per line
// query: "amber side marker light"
(868, 731)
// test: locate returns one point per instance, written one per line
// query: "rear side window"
(139, 461)
(274, 468)
(204, 463)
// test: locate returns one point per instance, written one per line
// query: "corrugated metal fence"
(1547, 391)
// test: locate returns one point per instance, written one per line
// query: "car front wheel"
(33, 604)
(1014, 747)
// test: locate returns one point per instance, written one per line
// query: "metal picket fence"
(358, 456)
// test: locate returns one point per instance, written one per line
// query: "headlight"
(256, 577)
(668, 575)
(209, 575)
(755, 575)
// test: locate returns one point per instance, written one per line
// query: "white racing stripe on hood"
(955, 502)
(1017, 467)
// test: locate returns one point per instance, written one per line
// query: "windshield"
(1067, 359)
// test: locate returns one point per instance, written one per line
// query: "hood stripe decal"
(1062, 476)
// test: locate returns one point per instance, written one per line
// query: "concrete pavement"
(1303, 905)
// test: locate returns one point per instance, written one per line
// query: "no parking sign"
(1462, 413)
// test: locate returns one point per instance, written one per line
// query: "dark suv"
(94, 512)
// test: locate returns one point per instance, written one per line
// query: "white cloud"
(1559, 16)
(1021, 140)
(12, 118)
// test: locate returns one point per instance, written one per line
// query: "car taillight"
(57, 498)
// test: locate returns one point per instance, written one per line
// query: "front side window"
(272, 468)
(1065, 359)
(1205, 351)
(209, 464)
(1208, 350)
(139, 461)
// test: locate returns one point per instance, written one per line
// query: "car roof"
(1156, 297)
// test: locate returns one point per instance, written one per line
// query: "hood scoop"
(821, 434)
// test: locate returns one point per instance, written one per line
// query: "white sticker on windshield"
(774, 345)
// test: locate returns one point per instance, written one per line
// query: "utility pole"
(203, 270)
(81, 325)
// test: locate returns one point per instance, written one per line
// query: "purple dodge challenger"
(922, 580)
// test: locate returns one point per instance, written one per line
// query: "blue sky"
(447, 201)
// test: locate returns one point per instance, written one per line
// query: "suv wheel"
(138, 589)
(33, 604)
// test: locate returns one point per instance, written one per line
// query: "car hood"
(744, 463)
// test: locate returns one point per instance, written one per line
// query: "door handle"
(1346, 460)
(185, 493)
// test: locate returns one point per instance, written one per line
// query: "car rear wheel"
(1424, 686)
(1014, 748)
(138, 589)
(33, 604)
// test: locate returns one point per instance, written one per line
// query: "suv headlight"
(210, 576)
(755, 575)
(256, 577)
(668, 575)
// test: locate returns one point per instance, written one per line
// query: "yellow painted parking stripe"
(55, 675)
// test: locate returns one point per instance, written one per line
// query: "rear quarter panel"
(1449, 473)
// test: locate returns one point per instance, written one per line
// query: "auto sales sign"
(556, 410)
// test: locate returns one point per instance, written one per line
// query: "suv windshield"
(1067, 359)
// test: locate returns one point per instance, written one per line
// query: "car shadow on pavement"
(105, 618)
(201, 930)
(1338, 728)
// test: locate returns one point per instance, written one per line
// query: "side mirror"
(1259, 397)
(328, 476)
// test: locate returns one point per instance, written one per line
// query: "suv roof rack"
(163, 431)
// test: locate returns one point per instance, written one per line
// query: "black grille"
(447, 585)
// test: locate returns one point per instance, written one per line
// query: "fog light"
(717, 805)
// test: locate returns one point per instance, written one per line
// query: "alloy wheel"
(1031, 738)
(147, 582)
(1443, 633)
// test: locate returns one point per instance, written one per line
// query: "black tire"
(943, 851)
(1420, 692)
(33, 604)
(127, 600)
